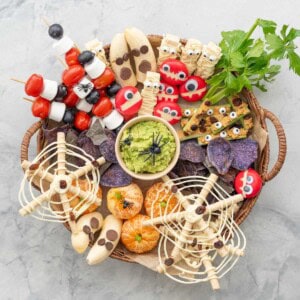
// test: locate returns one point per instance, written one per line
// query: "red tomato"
(34, 85)
(103, 107)
(193, 89)
(71, 57)
(71, 99)
(82, 121)
(40, 108)
(106, 79)
(72, 75)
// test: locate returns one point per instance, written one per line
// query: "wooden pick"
(28, 100)
(18, 80)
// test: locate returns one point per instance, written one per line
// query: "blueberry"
(69, 116)
(92, 97)
(62, 92)
(56, 31)
(85, 57)
(113, 89)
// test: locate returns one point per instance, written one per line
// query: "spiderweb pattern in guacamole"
(139, 138)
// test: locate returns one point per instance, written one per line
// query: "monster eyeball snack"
(170, 137)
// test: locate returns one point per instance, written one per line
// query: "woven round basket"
(262, 163)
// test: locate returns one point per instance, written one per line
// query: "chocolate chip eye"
(222, 110)
(249, 179)
(248, 189)
(174, 113)
(128, 95)
(223, 134)
(166, 68)
(233, 115)
(236, 130)
(218, 125)
(210, 112)
(187, 112)
(119, 61)
(208, 138)
(166, 110)
(191, 85)
(144, 49)
(181, 75)
(170, 90)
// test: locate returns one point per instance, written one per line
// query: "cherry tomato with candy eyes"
(72, 75)
(71, 99)
(82, 121)
(71, 57)
(106, 79)
(34, 85)
(103, 107)
(41, 107)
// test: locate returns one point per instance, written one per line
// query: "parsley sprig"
(248, 62)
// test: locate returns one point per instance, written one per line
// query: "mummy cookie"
(141, 51)
(190, 54)
(149, 93)
(170, 47)
(211, 54)
(107, 241)
(86, 226)
(120, 63)
(97, 48)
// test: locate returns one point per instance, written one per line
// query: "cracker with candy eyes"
(170, 47)
(120, 62)
(141, 51)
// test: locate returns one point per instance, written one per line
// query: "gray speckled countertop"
(37, 261)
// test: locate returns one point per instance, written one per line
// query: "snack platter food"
(144, 157)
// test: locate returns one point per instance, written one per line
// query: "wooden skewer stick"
(46, 22)
(28, 100)
(61, 61)
(18, 80)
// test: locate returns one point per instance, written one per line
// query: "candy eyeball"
(166, 110)
(161, 87)
(170, 111)
(190, 52)
(248, 183)
(210, 112)
(222, 110)
(223, 134)
(170, 90)
(172, 51)
(218, 125)
(187, 113)
(233, 115)
(165, 49)
(166, 68)
(235, 130)
(128, 95)
(208, 138)
(156, 85)
(191, 85)
(147, 84)
(173, 113)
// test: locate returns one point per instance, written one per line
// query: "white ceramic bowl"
(147, 176)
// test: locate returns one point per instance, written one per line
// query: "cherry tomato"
(41, 107)
(106, 79)
(82, 121)
(71, 57)
(72, 75)
(103, 107)
(71, 98)
(34, 85)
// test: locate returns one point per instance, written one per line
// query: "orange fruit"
(138, 238)
(83, 185)
(164, 200)
(125, 202)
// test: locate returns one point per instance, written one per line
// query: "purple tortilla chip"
(190, 150)
(114, 176)
(107, 149)
(87, 145)
(244, 153)
(50, 134)
(220, 154)
(187, 168)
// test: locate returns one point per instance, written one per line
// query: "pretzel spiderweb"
(200, 240)
(57, 176)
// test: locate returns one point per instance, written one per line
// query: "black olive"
(56, 31)
(62, 92)
(86, 57)
(113, 89)
(92, 97)
(69, 116)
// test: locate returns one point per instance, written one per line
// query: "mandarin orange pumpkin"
(138, 238)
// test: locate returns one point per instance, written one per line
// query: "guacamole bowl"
(147, 147)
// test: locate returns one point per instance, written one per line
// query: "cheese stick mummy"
(211, 54)
(190, 54)
(87, 226)
(120, 63)
(149, 93)
(97, 48)
(141, 51)
(107, 241)
(170, 47)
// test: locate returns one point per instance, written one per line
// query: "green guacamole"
(139, 153)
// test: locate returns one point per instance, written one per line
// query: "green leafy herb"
(248, 62)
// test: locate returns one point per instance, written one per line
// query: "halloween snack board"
(128, 112)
